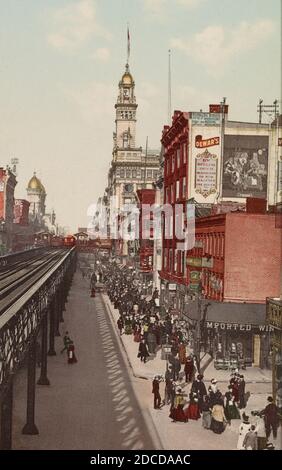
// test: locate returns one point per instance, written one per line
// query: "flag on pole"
(128, 44)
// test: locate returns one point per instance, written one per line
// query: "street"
(91, 404)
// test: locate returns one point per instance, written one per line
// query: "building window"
(184, 152)
(149, 173)
(134, 174)
(143, 174)
(175, 260)
(177, 189)
(122, 172)
(184, 187)
(155, 173)
(182, 262)
(125, 140)
(170, 260)
(128, 173)
(178, 157)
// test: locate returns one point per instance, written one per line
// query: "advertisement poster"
(245, 166)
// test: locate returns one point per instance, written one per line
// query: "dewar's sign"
(201, 143)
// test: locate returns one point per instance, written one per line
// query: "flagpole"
(128, 44)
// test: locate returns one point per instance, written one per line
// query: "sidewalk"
(177, 436)
(155, 365)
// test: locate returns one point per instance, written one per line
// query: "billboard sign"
(245, 166)
(205, 119)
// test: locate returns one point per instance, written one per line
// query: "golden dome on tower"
(127, 79)
(35, 184)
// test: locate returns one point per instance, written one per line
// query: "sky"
(61, 61)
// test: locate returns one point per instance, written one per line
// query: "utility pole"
(169, 88)
(222, 132)
(260, 110)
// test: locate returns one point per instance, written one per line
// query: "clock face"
(128, 188)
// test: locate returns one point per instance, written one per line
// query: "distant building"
(21, 212)
(36, 196)
(7, 189)
(131, 168)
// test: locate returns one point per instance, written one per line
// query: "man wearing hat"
(156, 392)
(199, 388)
(270, 414)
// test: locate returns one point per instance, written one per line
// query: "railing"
(20, 323)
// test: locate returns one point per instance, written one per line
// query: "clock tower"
(125, 134)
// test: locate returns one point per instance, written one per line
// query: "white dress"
(243, 429)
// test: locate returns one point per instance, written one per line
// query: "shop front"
(237, 333)
(274, 319)
(168, 298)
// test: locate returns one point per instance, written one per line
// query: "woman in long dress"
(193, 410)
(182, 353)
(206, 413)
(176, 412)
(218, 418)
(231, 410)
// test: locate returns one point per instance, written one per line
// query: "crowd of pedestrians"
(216, 409)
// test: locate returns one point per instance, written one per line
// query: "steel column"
(60, 301)
(7, 418)
(52, 351)
(43, 379)
(30, 427)
(57, 315)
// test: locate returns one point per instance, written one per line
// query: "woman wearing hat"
(244, 428)
(218, 417)
(177, 413)
(231, 410)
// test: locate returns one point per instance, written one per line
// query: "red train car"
(69, 241)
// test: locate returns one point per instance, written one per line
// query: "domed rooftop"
(35, 184)
(127, 78)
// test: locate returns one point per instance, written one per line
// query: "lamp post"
(167, 350)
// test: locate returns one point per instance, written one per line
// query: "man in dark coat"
(241, 392)
(156, 392)
(120, 324)
(199, 387)
(143, 351)
(270, 414)
(189, 369)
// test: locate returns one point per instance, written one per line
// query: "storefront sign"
(279, 176)
(206, 119)
(239, 327)
(218, 108)
(194, 261)
(207, 262)
(195, 275)
(203, 143)
(206, 173)
(194, 287)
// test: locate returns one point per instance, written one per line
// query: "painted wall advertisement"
(245, 166)
(206, 153)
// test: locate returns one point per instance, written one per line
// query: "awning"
(231, 313)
